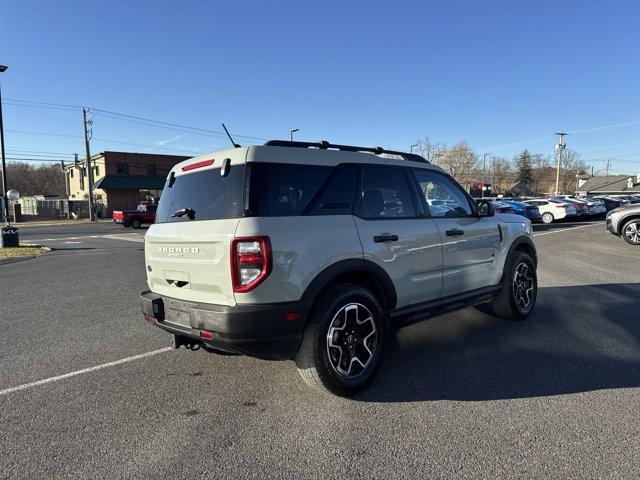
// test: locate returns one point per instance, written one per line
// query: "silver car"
(624, 222)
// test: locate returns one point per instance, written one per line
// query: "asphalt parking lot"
(89, 390)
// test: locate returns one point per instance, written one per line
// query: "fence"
(50, 209)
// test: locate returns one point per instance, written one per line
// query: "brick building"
(121, 179)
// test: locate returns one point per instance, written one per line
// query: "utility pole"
(607, 166)
(5, 214)
(87, 150)
(560, 146)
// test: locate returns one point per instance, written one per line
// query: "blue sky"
(372, 73)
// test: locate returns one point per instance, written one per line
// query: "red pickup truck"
(144, 214)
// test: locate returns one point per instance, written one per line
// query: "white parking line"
(134, 237)
(567, 229)
(24, 386)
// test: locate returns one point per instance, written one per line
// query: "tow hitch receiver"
(180, 341)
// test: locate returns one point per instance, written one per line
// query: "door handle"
(385, 238)
(454, 232)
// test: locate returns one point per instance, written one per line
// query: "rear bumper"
(261, 331)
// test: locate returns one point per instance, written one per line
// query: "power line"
(122, 116)
(499, 147)
(605, 127)
(39, 106)
(155, 147)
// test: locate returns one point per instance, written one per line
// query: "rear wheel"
(136, 224)
(547, 217)
(343, 341)
(519, 288)
(631, 231)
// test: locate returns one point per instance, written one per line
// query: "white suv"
(315, 252)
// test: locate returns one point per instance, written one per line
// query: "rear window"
(280, 190)
(208, 194)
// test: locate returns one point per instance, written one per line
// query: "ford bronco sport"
(316, 252)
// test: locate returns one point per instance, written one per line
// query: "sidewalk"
(57, 222)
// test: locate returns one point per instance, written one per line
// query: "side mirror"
(486, 209)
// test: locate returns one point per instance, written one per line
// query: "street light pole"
(4, 166)
(484, 172)
(414, 145)
(291, 132)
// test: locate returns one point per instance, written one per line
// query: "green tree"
(524, 165)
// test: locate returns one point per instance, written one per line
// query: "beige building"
(121, 179)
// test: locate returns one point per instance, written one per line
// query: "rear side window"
(336, 196)
(207, 194)
(384, 193)
(281, 190)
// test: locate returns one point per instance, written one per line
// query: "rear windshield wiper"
(184, 211)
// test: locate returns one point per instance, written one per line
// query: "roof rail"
(324, 145)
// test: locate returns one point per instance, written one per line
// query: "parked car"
(532, 212)
(144, 214)
(552, 210)
(629, 198)
(596, 207)
(582, 208)
(502, 207)
(316, 252)
(624, 222)
(609, 202)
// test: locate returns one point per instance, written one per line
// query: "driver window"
(444, 198)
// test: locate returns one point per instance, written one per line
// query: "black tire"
(510, 304)
(631, 236)
(547, 217)
(318, 362)
(136, 224)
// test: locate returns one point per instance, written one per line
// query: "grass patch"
(21, 251)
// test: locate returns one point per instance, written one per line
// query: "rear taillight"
(561, 205)
(250, 262)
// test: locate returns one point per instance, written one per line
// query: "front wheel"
(343, 341)
(631, 231)
(519, 288)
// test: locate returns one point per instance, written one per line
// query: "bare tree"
(501, 173)
(541, 167)
(35, 180)
(430, 150)
(461, 162)
(572, 166)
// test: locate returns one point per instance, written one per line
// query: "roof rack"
(324, 145)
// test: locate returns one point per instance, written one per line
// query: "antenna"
(235, 145)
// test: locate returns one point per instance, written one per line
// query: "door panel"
(472, 259)
(414, 261)
(470, 244)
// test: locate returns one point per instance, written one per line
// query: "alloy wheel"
(632, 232)
(351, 340)
(523, 286)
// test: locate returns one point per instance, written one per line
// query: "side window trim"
(472, 204)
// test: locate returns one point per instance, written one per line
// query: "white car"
(552, 209)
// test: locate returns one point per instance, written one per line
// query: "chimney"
(630, 182)
(638, 178)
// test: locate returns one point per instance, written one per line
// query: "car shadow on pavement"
(579, 338)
